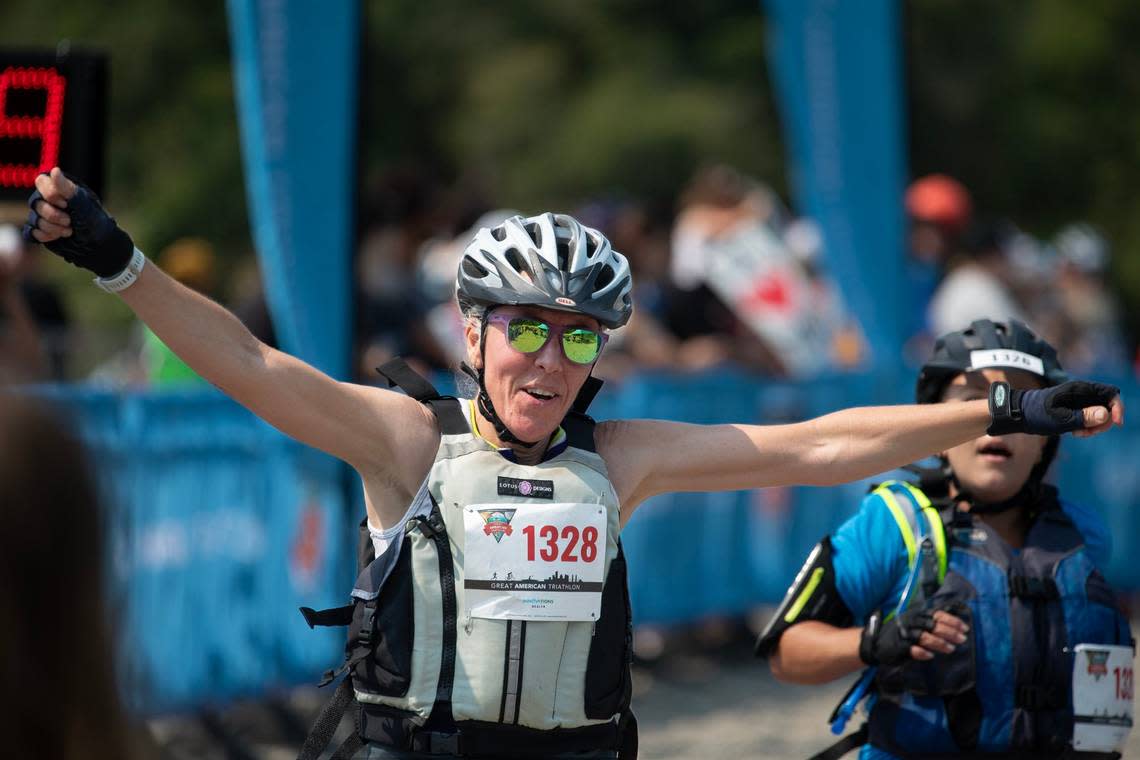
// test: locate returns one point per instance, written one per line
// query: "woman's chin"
(534, 428)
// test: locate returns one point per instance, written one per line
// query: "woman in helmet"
(970, 596)
(491, 615)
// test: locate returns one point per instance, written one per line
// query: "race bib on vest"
(1102, 697)
(530, 562)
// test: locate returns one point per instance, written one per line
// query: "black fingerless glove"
(889, 642)
(1048, 411)
(96, 242)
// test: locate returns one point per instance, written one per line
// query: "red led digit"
(46, 128)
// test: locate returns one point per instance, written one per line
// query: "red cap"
(941, 200)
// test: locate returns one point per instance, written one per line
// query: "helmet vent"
(535, 233)
(473, 268)
(499, 233)
(605, 277)
(515, 259)
(563, 254)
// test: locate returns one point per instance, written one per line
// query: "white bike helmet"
(549, 260)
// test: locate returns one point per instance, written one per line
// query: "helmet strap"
(487, 409)
(483, 400)
(1028, 495)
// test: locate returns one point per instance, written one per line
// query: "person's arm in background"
(862, 568)
(381, 433)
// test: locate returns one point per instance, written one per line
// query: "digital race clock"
(52, 113)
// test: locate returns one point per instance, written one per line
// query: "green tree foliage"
(548, 103)
(543, 104)
(174, 165)
(1036, 107)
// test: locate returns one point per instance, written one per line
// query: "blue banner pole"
(295, 68)
(836, 68)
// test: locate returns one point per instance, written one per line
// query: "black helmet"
(982, 345)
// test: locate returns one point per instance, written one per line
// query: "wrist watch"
(125, 278)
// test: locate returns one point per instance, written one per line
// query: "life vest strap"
(327, 721)
(844, 745)
(1028, 587)
(333, 616)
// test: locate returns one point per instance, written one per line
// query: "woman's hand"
(69, 220)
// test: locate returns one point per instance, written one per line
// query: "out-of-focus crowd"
(963, 266)
(725, 275)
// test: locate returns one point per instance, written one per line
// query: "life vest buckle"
(437, 743)
(368, 625)
(1027, 587)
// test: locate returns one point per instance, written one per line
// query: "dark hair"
(59, 674)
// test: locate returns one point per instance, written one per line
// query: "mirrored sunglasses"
(528, 335)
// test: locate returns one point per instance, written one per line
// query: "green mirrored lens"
(581, 346)
(527, 335)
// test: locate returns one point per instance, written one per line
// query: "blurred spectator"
(391, 316)
(438, 260)
(761, 297)
(836, 333)
(1033, 276)
(717, 202)
(939, 211)
(192, 262)
(978, 285)
(1091, 338)
(61, 699)
(644, 343)
(33, 321)
(247, 301)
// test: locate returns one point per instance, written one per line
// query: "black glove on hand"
(1049, 411)
(96, 243)
(889, 643)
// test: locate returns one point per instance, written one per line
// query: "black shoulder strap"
(327, 721)
(844, 745)
(399, 375)
(579, 431)
(586, 395)
(578, 425)
(447, 409)
(449, 412)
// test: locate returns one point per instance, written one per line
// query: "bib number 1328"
(570, 543)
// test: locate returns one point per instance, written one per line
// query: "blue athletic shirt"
(871, 566)
(870, 557)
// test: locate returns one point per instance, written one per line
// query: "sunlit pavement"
(702, 699)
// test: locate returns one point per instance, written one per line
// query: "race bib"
(1102, 697)
(525, 562)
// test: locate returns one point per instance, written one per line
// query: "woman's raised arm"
(379, 432)
(648, 457)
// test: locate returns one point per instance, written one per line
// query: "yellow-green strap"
(937, 530)
(802, 599)
(904, 518)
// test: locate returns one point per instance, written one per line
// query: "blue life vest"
(1008, 688)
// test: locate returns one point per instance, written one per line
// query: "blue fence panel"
(223, 527)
